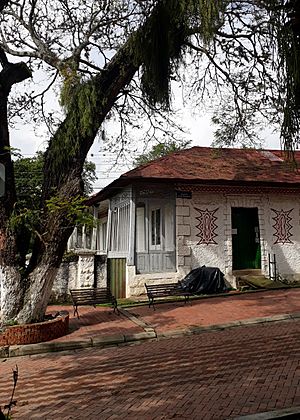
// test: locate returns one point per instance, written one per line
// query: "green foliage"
(159, 150)
(71, 83)
(23, 218)
(70, 257)
(26, 215)
(13, 151)
(79, 99)
(29, 180)
(160, 45)
(29, 176)
(74, 211)
(89, 177)
(9, 323)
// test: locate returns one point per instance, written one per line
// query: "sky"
(200, 131)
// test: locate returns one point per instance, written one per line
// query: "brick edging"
(25, 334)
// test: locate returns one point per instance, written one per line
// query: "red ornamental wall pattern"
(282, 226)
(207, 226)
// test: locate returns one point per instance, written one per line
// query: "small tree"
(160, 150)
(29, 176)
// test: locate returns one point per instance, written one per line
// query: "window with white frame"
(140, 228)
(155, 228)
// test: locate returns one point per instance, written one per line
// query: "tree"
(29, 180)
(92, 52)
(159, 150)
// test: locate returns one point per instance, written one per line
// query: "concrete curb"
(286, 413)
(120, 339)
(50, 347)
(138, 321)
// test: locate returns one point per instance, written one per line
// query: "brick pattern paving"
(218, 310)
(214, 375)
(94, 322)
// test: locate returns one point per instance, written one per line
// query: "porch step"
(248, 282)
(247, 272)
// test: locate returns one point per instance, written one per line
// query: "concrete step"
(245, 282)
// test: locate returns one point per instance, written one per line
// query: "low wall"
(36, 333)
(84, 270)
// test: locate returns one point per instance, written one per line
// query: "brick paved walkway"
(214, 375)
(218, 310)
(94, 322)
(171, 316)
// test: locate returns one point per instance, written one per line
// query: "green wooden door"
(245, 238)
(116, 274)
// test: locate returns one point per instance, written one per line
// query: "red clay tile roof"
(210, 165)
(207, 164)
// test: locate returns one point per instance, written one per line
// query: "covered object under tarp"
(204, 280)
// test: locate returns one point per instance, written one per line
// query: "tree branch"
(3, 4)
(3, 58)
(13, 73)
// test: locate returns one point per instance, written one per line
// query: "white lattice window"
(101, 236)
(120, 224)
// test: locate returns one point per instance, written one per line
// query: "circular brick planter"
(36, 333)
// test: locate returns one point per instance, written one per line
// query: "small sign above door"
(184, 194)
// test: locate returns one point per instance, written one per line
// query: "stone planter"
(36, 333)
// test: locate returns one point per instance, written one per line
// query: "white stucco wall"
(192, 254)
(78, 274)
(287, 254)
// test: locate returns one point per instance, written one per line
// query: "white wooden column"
(72, 239)
(95, 227)
(131, 248)
(83, 245)
(108, 230)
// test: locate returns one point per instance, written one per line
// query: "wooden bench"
(92, 297)
(165, 290)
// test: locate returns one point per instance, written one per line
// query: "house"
(225, 208)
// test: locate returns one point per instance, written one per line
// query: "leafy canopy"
(159, 150)
(29, 177)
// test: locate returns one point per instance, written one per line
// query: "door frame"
(256, 240)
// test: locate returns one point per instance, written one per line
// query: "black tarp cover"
(204, 280)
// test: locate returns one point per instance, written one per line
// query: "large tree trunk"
(11, 292)
(10, 274)
(46, 257)
(64, 177)
(36, 298)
